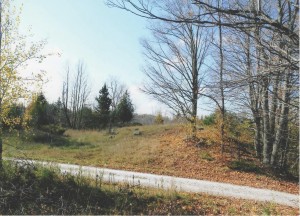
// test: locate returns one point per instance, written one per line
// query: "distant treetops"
(41, 113)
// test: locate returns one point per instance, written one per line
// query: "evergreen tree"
(125, 109)
(38, 111)
(103, 106)
(55, 113)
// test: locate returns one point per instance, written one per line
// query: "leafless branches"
(258, 48)
(116, 91)
(74, 95)
(175, 59)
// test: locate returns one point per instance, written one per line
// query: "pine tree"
(125, 109)
(103, 106)
(38, 111)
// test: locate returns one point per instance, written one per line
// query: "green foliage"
(125, 109)
(293, 155)
(37, 137)
(55, 113)
(89, 118)
(209, 120)
(103, 106)
(53, 129)
(14, 118)
(16, 51)
(235, 125)
(38, 111)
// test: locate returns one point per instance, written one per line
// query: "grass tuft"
(206, 156)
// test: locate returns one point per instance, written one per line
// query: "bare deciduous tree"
(74, 95)
(267, 76)
(116, 91)
(175, 63)
(261, 62)
(277, 16)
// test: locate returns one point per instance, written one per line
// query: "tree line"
(113, 104)
(40, 113)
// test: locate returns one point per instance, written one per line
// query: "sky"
(106, 39)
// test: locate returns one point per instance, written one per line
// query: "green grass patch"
(87, 147)
(206, 156)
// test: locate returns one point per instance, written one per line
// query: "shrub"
(38, 136)
(53, 129)
(135, 124)
(209, 120)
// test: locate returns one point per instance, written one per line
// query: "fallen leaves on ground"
(177, 157)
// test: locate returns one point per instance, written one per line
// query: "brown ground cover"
(177, 157)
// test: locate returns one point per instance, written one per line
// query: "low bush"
(209, 120)
(38, 136)
(53, 129)
(135, 124)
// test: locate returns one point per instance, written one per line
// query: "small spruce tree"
(103, 107)
(125, 109)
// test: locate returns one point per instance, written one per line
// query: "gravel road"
(179, 184)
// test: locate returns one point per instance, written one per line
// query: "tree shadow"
(54, 140)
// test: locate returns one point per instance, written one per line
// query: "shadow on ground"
(54, 140)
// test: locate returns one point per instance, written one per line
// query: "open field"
(159, 149)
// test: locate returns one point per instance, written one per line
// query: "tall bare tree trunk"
(274, 106)
(222, 108)
(254, 91)
(282, 131)
(266, 122)
(65, 97)
(258, 137)
(74, 100)
(195, 85)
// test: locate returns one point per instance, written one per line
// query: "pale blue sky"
(107, 39)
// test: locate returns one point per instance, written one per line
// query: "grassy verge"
(37, 190)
